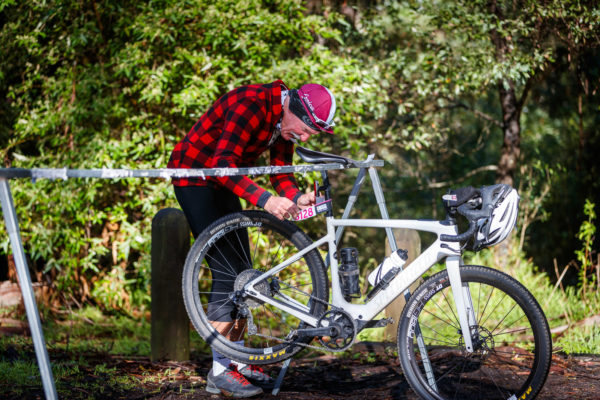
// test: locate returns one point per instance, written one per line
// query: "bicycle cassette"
(246, 276)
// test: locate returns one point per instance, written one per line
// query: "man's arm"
(240, 121)
(282, 153)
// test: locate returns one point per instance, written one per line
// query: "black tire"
(263, 242)
(512, 358)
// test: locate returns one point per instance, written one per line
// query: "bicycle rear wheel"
(512, 343)
(230, 253)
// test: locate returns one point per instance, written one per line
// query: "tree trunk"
(511, 108)
(511, 127)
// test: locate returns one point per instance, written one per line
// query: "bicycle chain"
(311, 346)
(319, 348)
(293, 342)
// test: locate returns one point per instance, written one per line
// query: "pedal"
(379, 323)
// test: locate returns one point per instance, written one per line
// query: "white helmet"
(503, 203)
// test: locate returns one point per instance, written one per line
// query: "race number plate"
(312, 211)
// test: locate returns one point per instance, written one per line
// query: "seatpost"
(327, 190)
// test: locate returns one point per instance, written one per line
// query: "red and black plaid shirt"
(233, 133)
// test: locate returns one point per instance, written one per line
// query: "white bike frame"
(439, 250)
(365, 312)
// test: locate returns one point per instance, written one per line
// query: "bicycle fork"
(464, 309)
(462, 300)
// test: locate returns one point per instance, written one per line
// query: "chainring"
(346, 328)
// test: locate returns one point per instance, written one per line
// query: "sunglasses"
(320, 122)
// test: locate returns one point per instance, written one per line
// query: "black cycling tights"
(202, 206)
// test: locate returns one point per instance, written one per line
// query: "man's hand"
(307, 200)
(282, 207)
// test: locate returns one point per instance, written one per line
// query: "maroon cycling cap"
(315, 106)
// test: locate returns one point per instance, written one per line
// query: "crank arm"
(312, 332)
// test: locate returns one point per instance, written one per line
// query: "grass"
(93, 355)
(563, 307)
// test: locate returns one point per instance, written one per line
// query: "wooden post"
(170, 326)
(406, 239)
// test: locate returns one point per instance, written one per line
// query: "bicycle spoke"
(232, 246)
(256, 232)
(503, 318)
(214, 280)
(437, 304)
(452, 342)
(215, 312)
(448, 372)
(485, 307)
(504, 395)
(511, 324)
(460, 376)
(270, 329)
(512, 353)
(443, 320)
(451, 309)
(229, 266)
(437, 340)
(478, 302)
(494, 309)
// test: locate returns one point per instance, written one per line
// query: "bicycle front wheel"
(235, 250)
(511, 339)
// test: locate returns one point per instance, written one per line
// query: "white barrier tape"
(169, 173)
(49, 173)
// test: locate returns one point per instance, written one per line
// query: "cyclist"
(236, 130)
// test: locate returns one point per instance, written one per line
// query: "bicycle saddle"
(315, 157)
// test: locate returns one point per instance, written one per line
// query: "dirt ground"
(331, 378)
(369, 374)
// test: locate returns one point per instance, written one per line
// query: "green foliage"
(439, 55)
(584, 340)
(577, 308)
(589, 263)
(586, 235)
(117, 84)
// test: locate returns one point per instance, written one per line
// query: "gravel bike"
(467, 332)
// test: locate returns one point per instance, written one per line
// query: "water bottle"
(395, 260)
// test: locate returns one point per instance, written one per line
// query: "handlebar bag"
(455, 198)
